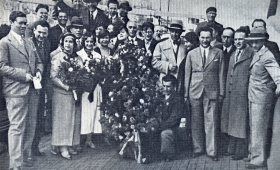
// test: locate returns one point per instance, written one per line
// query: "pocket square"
(216, 60)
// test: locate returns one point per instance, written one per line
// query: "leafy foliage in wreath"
(132, 99)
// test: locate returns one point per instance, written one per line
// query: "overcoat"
(66, 115)
(235, 111)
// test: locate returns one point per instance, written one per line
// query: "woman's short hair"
(86, 35)
(103, 34)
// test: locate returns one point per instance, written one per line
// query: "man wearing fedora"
(204, 88)
(211, 14)
(76, 28)
(93, 16)
(264, 84)
(124, 8)
(169, 53)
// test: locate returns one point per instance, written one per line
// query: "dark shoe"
(16, 168)
(252, 166)
(72, 151)
(31, 159)
(168, 159)
(194, 155)
(246, 159)
(226, 154)
(214, 158)
(236, 158)
(38, 153)
(27, 164)
(54, 150)
(79, 149)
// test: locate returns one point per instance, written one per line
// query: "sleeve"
(221, 74)
(272, 68)
(188, 74)
(55, 63)
(18, 74)
(157, 62)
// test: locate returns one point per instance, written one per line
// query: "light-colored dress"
(90, 113)
(66, 115)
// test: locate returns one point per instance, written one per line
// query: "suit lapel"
(210, 57)
(244, 56)
(18, 46)
(181, 54)
(257, 56)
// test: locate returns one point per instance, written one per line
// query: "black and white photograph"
(139, 84)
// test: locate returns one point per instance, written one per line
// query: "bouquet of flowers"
(70, 73)
(92, 73)
(131, 101)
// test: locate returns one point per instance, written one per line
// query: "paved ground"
(106, 158)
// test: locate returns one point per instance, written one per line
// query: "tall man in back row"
(20, 65)
(204, 87)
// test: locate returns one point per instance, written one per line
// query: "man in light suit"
(20, 65)
(264, 84)
(169, 53)
(204, 87)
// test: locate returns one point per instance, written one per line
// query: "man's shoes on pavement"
(38, 153)
(236, 158)
(214, 158)
(194, 155)
(252, 166)
(246, 159)
(27, 163)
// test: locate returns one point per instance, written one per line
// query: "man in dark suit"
(272, 46)
(113, 6)
(169, 117)
(41, 42)
(169, 53)
(20, 66)
(204, 87)
(123, 10)
(235, 111)
(211, 14)
(93, 16)
(132, 30)
(149, 42)
(57, 30)
(41, 14)
(228, 46)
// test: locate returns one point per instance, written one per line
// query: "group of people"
(225, 80)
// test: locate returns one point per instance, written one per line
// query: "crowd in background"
(222, 84)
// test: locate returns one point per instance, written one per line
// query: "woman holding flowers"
(66, 115)
(91, 100)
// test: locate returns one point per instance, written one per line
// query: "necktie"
(225, 52)
(204, 58)
(237, 56)
(91, 15)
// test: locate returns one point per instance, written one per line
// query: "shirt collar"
(17, 36)
(228, 48)
(94, 13)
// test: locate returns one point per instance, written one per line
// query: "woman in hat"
(90, 111)
(66, 115)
